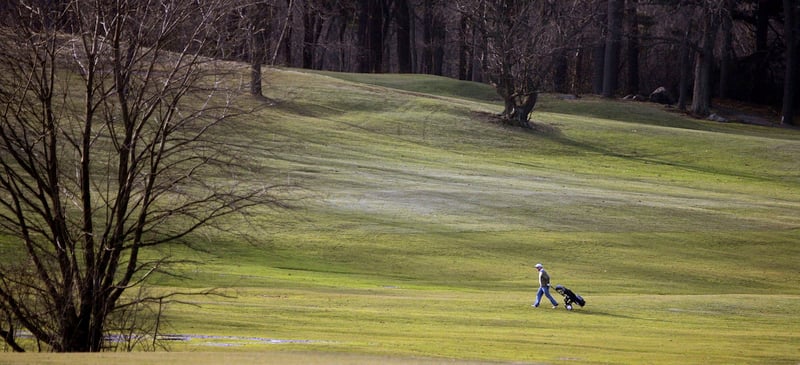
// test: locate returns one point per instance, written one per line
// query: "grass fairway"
(419, 223)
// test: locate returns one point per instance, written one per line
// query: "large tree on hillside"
(514, 42)
(106, 111)
(523, 43)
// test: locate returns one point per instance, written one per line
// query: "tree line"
(696, 49)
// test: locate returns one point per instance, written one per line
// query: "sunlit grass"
(419, 221)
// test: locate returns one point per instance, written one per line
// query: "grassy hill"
(419, 220)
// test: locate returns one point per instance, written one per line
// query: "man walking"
(544, 287)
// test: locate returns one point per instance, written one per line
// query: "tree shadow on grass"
(653, 159)
(537, 127)
(591, 312)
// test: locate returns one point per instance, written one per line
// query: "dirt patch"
(536, 126)
(746, 113)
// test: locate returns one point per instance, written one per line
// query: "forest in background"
(729, 49)
(696, 50)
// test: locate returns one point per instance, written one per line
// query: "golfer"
(544, 287)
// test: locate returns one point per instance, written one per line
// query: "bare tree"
(106, 110)
(523, 43)
(510, 35)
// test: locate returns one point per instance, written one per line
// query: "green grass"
(414, 237)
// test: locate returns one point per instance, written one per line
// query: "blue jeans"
(546, 291)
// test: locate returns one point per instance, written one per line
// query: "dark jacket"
(544, 279)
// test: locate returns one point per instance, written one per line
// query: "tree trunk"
(632, 86)
(403, 16)
(284, 38)
(685, 72)
(478, 53)
(426, 62)
(727, 49)
(517, 107)
(576, 76)
(377, 36)
(434, 34)
(343, 64)
(438, 49)
(255, 78)
(312, 25)
(701, 96)
(463, 49)
(791, 12)
(598, 56)
(363, 57)
(506, 92)
(762, 27)
(257, 25)
(287, 38)
(599, 49)
(611, 63)
(523, 107)
(370, 36)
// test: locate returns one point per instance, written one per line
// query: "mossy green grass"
(419, 219)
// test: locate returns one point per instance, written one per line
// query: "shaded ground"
(740, 112)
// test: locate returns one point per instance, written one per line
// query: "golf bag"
(570, 297)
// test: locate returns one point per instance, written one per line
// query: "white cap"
(538, 265)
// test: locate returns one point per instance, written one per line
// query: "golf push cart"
(570, 297)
